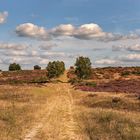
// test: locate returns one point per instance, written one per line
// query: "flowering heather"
(123, 86)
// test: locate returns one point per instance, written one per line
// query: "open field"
(58, 111)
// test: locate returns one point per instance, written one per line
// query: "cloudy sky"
(38, 31)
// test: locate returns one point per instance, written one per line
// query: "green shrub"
(126, 73)
(55, 69)
(136, 72)
(36, 67)
(91, 84)
(14, 67)
(83, 68)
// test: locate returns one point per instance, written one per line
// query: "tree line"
(56, 68)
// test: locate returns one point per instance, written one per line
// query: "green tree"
(83, 67)
(14, 67)
(55, 69)
(36, 67)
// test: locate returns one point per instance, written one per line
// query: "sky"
(38, 31)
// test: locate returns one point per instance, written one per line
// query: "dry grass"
(20, 108)
(64, 113)
(100, 118)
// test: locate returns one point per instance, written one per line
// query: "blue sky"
(38, 31)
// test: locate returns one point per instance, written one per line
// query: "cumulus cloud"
(85, 32)
(3, 17)
(106, 62)
(13, 46)
(32, 31)
(63, 30)
(89, 31)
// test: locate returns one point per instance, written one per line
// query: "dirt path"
(58, 122)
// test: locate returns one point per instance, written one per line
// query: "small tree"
(83, 67)
(36, 67)
(14, 67)
(60, 67)
(55, 69)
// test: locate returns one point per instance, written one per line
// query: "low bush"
(136, 72)
(126, 73)
(36, 67)
(91, 84)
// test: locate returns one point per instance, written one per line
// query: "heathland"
(104, 107)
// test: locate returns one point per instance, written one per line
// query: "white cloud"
(85, 32)
(32, 31)
(3, 17)
(90, 31)
(63, 30)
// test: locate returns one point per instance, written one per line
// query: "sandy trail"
(58, 122)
